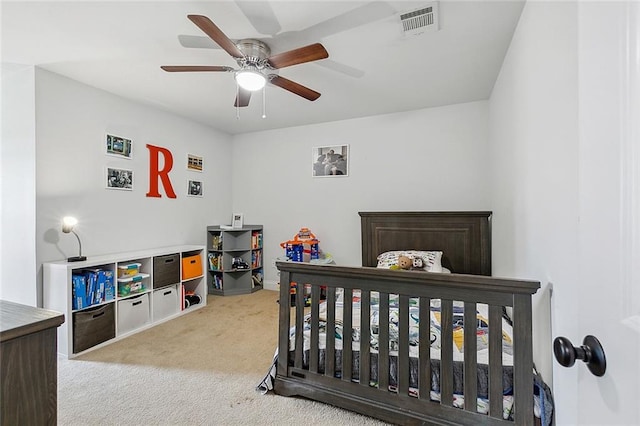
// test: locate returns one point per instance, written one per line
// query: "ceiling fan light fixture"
(250, 79)
(255, 63)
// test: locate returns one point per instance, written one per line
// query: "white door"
(609, 209)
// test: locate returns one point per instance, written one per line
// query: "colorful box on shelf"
(128, 270)
(131, 284)
(91, 287)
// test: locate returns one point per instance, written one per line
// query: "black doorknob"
(591, 352)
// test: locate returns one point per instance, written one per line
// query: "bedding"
(482, 316)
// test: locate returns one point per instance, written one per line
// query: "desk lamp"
(68, 223)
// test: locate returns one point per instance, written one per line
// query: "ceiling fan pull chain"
(264, 102)
(237, 101)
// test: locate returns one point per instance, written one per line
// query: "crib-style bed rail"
(392, 384)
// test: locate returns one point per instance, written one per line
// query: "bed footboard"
(391, 370)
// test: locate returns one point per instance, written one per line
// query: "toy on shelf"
(239, 263)
(191, 298)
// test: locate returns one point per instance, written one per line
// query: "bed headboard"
(463, 237)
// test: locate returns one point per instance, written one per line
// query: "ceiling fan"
(255, 63)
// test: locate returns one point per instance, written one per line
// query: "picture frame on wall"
(117, 178)
(194, 188)
(119, 146)
(330, 161)
(237, 221)
(195, 163)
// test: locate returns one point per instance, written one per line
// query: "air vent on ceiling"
(417, 22)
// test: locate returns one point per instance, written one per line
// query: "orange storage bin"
(191, 267)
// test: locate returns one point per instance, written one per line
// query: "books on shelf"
(256, 259)
(256, 239)
(256, 279)
(217, 282)
(215, 262)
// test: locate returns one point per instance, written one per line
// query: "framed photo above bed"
(330, 161)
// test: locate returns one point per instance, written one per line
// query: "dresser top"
(17, 320)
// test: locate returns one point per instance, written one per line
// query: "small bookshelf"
(234, 260)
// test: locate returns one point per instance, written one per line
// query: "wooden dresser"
(28, 364)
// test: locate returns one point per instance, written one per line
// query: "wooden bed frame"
(465, 239)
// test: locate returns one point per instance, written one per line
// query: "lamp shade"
(68, 223)
(250, 80)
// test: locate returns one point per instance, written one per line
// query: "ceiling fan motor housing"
(255, 53)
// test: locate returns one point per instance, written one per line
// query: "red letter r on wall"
(155, 173)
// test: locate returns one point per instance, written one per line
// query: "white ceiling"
(119, 46)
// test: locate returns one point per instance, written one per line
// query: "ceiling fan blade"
(309, 53)
(210, 29)
(195, 68)
(261, 16)
(242, 98)
(293, 87)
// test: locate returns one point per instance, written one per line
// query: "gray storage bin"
(166, 270)
(93, 326)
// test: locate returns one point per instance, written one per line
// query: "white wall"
(397, 162)
(72, 121)
(534, 145)
(17, 187)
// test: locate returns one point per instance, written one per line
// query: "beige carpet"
(199, 369)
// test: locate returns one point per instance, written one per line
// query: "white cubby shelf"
(149, 287)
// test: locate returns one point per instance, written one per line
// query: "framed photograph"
(119, 179)
(237, 220)
(194, 163)
(194, 188)
(330, 161)
(118, 146)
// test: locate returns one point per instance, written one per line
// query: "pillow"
(431, 259)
